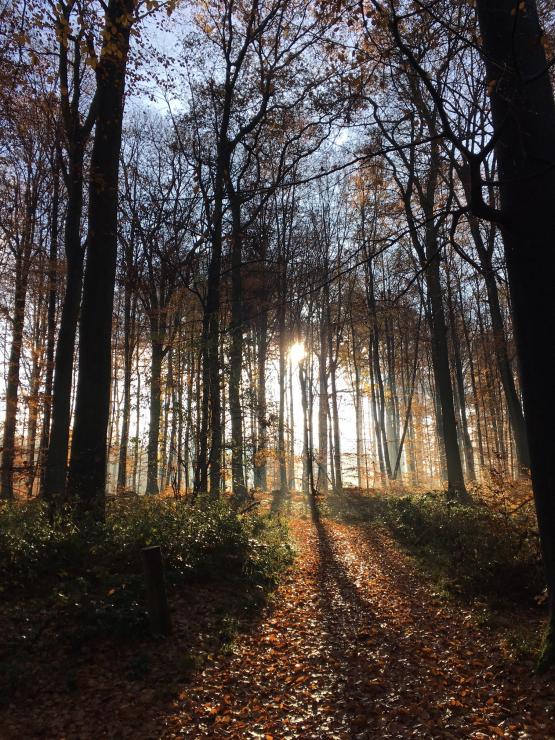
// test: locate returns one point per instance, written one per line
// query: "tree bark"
(22, 267)
(236, 352)
(128, 346)
(50, 325)
(152, 487)
(56, 459)
(260, 466)
(87, 473)
(524, 120)
(323, 394)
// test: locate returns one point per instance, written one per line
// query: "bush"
(473, 549)
(96, 576)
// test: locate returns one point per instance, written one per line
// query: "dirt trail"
(356, 645)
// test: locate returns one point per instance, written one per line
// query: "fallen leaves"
(354, 645)
(357, 646)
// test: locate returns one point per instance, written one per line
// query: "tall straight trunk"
(291, 430)
(282, 452)
(136, 445)
(223, 457)
(22, 267)
(461, 392)
(474, 386)
(323, 394)
(523, 113)
(487, 393)
(413, 468)
(358, 412)
(12, 385)
(438, 426)
(380, 402)
(407, 404)
(377, 379)
(392, 400)
(175, 412)
(115, 407)
(56, 460)
(409, 398)
(77, 129)
(310, 396)
(331, 451)
(50, 323)
(157, 354)
(165, 443)
(308, 470)
(185, 445)
(236, 354)
(375, 413)
(34, 386)
(514, 408)
(199, 409)
(201, 461)
(211, 351)
(336, 431)
(128, 344)
(440, 358)
(260, 466)
(87, 471)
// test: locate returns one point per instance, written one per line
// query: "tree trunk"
(292, 466)
(323, 395)
(282, 452)
(152, 487)
(56, 459)
(87, 472)
(459, 377)
(50, 325)
(440, 358)
(236, 355)
(12, 385)
(128, 345)
(336, 433)
(524, 119)
(22, 267)
(211, 356)
(514, 409)
(34, 387)
(358, 412)
(201, 462)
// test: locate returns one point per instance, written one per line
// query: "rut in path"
(356, 645)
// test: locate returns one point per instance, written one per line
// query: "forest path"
(357, 645)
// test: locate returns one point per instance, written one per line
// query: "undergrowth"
(90, 585)
(66, 590)
(471, 550)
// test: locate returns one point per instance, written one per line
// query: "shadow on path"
(357, 646)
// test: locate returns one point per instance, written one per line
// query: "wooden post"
(157, 602)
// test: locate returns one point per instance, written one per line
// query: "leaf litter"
(353, 644)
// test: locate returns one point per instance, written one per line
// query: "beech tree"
(87, 471)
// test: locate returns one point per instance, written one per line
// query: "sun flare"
(297, 352)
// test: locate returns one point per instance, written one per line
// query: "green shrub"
(95, 576)
(32, 550)
(472, 549)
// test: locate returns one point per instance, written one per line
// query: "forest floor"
(355, 643)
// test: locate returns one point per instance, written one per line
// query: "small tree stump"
(157, 601)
